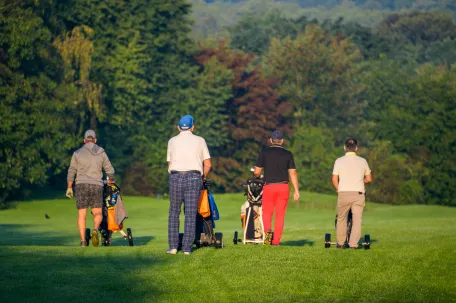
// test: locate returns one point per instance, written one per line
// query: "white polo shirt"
(351, 170)
(187, 151)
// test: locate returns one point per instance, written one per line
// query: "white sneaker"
(187, 253)
(171, 251)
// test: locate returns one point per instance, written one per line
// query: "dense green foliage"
(130, 69)
(410, 260)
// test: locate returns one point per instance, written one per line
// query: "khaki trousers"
(345, 201)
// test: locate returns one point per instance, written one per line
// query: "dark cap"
(276, 135)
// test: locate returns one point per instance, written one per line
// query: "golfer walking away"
(350, 173)
(87, 165)
(279, 168)
(189, 163)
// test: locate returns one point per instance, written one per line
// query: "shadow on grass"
(302, 242)
(35, 194)
(24, 234)
(118, 240)
(78, 275)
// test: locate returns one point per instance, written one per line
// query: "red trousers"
(275, 196)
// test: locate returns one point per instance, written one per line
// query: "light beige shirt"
(351, 170)
(187, 151)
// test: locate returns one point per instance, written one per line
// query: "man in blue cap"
(279, 167)
(189, 162)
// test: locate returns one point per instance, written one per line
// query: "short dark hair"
(351, 144)
(276, 136)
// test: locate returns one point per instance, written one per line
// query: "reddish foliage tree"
(255, 110)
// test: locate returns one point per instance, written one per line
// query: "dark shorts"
(88, 195)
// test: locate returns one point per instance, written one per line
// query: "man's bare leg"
(97, 217)
(82, 222)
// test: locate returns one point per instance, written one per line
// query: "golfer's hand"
(69, 193)
(296, 195)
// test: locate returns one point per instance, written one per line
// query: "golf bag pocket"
(112, 225)
(214, 210)
(203, 204)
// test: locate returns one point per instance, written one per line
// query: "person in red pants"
(279, 168)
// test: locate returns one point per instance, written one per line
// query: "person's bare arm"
(368, 179)
(294, 180)
(207, 164)
(169, 163)
(335, 181)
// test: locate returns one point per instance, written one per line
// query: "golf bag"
(252, 213)
(114, 214)
(204, 234)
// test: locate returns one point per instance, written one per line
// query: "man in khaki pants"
(350, 173)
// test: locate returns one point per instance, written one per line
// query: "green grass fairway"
(412, 257)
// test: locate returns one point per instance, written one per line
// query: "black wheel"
(327, 240)
(129, 237)
(235, 239)
(181, 238)
(218, 240)
(107, 237)
(367, 241)
(87, 236)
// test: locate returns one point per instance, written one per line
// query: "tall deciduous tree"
(415, 113)
(254, 111)
(34, 139)
(143, 57)
(76, 51)
(316, 72)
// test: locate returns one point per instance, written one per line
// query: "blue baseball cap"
(186, 122)
(277, 135)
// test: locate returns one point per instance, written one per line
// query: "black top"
(276, 161)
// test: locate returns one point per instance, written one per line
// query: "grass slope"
(412, 257)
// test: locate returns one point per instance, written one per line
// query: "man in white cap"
(189, 163)
(87, 165)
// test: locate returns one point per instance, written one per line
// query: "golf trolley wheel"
(327, 240)
(87, 236)
(107, 237)
(367, 241)
(129, 237)
(218, 240)
(235, 239)
(181, 239)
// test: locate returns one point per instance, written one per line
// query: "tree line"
(130, 69)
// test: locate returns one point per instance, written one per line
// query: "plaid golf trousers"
(183, 188)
